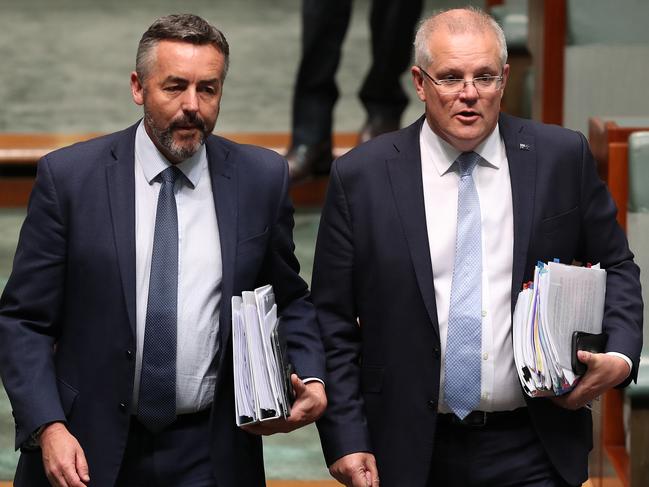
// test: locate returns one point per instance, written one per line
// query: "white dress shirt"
(500, 386)
(199, 270)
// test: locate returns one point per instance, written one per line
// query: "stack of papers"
(261, 377)
(562, 300)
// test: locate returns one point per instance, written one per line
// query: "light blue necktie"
(157, 397)
(464, 338)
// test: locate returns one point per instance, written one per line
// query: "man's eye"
(172, 88)
(485, 81)
(451, 81)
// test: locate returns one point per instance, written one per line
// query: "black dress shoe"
(309, 160)
(375, 126)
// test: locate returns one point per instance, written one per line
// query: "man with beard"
(115, 323)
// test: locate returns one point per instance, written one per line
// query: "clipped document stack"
(262, 387)
(556, 315)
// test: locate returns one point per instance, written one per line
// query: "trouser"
(505, 452)
(177, 456)
(324, 25)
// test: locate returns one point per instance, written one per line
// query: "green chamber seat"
(607, 47)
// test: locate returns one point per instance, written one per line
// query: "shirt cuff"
(33, 441)
(625, 358)
(312, 379)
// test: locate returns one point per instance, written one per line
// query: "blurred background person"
(324, 25)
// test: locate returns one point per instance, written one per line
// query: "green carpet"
(70, 62)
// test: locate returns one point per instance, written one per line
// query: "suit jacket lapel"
(224, 190)
(404, 172)
(120, 178)
(521, 156)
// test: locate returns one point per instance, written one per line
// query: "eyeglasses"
(453, 86)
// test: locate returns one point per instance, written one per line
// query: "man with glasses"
(425, 240)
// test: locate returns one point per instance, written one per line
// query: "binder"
(556, 315)
(262, 385)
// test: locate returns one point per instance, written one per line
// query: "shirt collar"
(443, 154)
(153, 162)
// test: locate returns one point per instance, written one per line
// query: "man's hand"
(356, 470)
(604, 372)
(64, 461)
(310, 403)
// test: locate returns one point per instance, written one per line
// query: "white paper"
(562, 299)
(258, 365)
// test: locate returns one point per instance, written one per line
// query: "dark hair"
(180, 27)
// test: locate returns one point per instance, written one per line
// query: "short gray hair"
(456, 23)
(179, 27)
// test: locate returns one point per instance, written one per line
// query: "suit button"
(432, 404)
(123, 407)
(129, 354)
(436, 353)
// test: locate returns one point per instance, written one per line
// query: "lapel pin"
(524, 146)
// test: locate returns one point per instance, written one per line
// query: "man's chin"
(183, 152)
(188, 141)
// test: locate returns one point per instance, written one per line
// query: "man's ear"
(137, 89)
(418, 81)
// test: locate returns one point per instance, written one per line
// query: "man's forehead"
(175, 50)
(479, 46)
(178, 58)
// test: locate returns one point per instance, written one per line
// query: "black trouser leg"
(324, 25)
(392, 24)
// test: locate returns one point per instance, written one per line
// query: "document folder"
(556, 315)
(262, 385)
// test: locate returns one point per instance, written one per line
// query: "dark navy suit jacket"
(373, 263)
(67, 315)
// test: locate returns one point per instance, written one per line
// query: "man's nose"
(190, 100)
(469, 92)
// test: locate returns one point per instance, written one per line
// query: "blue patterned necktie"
(464, 338)
(157, 397)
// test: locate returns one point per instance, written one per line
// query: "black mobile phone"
(590, 342)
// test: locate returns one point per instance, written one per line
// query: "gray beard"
(166, 139)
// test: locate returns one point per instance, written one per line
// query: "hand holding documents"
(556, 315)
(262, 386)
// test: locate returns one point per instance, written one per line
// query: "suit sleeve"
(343, 428)
(605, 242)
(281, 269)
(29, 311)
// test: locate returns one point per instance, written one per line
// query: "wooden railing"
(19, 154)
